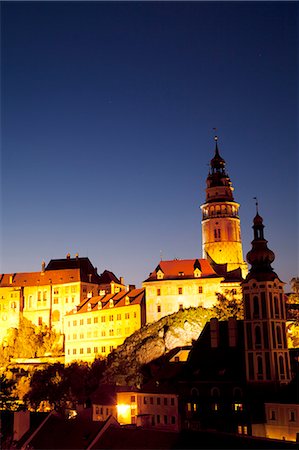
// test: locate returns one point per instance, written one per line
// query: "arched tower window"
(259, 360)
(279, 336)
(281, 366)
(256, 306)
(276, 306)
(258, 336)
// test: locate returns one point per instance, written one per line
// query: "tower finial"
(256, 204)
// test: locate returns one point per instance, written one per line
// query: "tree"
(228, 305)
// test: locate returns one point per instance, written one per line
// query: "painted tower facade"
(266, 351)
(221, 231)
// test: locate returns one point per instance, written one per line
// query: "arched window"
(276, 306)
(258, 336)
(259, 366)
(279, 336)
(281, 366)
(56, 316)
(237, 393)
(194, 392)
(215, 392)
(256, 307)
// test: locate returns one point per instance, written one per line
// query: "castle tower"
(221, 233)
(266, 351)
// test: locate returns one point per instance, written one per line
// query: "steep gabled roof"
(183, 269)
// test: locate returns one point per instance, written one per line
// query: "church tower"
(221, 232)
(266, 350)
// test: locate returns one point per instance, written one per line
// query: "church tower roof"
(260, 256)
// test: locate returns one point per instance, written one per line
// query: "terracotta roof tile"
(183, 268)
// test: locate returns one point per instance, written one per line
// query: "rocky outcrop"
(153, 341)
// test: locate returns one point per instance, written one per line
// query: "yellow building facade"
(100, 324)
(45, 297)
(180, 284)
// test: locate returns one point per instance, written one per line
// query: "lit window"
(133, 399)
(89, 321)
(81, 321)
(158, 292)
(103, 319)
(158, 308)
(118, 317)
(95, 320)
(111, 348)
(111, 332)
(74, 322)
(111, 318)
(95, 349)
(81, 351)
(88, 350)
(74, 351)
(238, 406)
(200, 289)
(181, 306)
(55, 300)
(180, 290)
(127, 315)
(103, 349)
(103, 333)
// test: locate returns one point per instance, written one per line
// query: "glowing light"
(122, 408)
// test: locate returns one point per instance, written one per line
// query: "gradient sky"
(108, 112)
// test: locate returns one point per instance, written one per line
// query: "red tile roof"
(183, 268)
(136, 296)
(40, 278)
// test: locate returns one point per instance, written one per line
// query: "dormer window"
(127, 300)
(160, 275)
(100, 305)
(89, 307)
(181, 274)
(111, 303)
(197, 273)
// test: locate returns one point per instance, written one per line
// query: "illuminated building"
(45, 297)
(179, 284)
(267, 355)
(100, 324)
(221, 232)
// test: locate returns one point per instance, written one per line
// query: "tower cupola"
(260, 256)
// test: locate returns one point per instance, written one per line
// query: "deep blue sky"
(107, 117)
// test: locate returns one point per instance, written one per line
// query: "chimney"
(214, 332)
(77, 255)
(43, 266)
(232, 332)
(96, 270)
(68, 256)
(121, 279)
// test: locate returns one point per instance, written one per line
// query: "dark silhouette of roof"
(107, 277)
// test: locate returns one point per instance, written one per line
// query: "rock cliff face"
(152, 341)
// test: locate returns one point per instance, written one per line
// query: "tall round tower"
(221, 232)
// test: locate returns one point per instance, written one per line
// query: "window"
(238, 406)
(111, 332)
(81, 321)
(73, 299)
(88, 350)
(95, 320)
(39, 296)
(103, 333)
(158, 292)
(56, 291)
(118, 317)
(144, 400)
(74, 322)
(165, 401)
(256, 307)
(189, 407)
(292, 416)
(127, 330)
(158, 401)
(75, 336)
(172, 420)
(66, 300)
(135, 315)
(45, 296)
(89, 321)
(165, 419)
(172, 401)
(215, 406)
(181, 306)
(81, 351)
(127, 315)
(133, 399)
(180, 290)
(89, 334)
(74, 351)
(81, 335)
(103, 349)
(40, 321)
(103, 319)
(111, 318)
(151, 400)
(55, 301)
(272, 415)
(158, 308)
(111, 348)
(73, 289)
(158, 418)
(200, 289)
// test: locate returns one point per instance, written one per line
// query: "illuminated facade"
(221, 232)
(266, 350)
(180, 284)
(100, 324)
(150, 410)
(45, 297)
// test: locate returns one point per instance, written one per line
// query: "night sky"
(108, 112)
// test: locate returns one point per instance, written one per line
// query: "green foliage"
(61, 386)
(228, 306)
